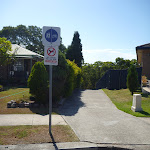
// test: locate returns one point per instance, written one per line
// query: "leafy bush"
(69, 84)
(132, 79)
(66, 77)
(60, 74)
(1, 88)
(5, 49)
(73, 78)
(77, 74)
(38, 82)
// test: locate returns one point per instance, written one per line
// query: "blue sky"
(107, 28)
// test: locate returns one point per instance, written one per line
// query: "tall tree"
(62, 47)
(74, 51)
(30, 37)
(5, 48)
(35, 39)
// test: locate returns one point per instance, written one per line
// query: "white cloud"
(91, 56)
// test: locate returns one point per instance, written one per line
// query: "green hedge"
(60, 74)
(73, 79)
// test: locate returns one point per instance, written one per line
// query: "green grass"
(21, 134)
(123, 101)
(18, 94)
(14, 93)
(12, 135)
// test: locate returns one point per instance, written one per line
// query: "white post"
(136, 105)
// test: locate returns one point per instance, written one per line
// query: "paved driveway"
(95, 118)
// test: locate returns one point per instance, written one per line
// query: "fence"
(116, 79)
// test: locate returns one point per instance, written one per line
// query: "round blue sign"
(51, 35)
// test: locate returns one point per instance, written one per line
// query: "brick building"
(143, 58)
(20, 67)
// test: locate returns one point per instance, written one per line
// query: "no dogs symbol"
(51, 51)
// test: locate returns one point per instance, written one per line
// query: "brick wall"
(3, 72)
(146, 63)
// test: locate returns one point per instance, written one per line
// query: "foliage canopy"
(5, 49)
(30, 37)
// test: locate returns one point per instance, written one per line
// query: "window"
(19, 65)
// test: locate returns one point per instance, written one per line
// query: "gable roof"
(145, 46)
(19, 51)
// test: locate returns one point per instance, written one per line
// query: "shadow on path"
(40, 110)
(72, 104)
(53, 141)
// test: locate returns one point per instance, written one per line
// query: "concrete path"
(146, 90)
(94, 118)
(30, 119)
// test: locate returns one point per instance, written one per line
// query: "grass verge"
(12, 135)
(123, 101)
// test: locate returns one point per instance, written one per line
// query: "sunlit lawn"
(123, 101)
(20, 94)
(14, 94)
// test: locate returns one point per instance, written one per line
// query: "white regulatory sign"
(51, 55)
(51, 36)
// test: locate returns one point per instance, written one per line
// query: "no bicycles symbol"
(51, 55)
(51, 51)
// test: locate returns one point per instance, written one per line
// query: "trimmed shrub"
(38, 82)
(132, 79)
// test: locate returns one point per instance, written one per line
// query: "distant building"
(20, 67)
(143, 58)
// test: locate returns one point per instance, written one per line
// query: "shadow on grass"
(6, 88)
(145, 113)
(144, 95)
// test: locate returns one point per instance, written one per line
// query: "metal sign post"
(50, 97)
(51, 41)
